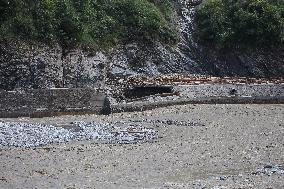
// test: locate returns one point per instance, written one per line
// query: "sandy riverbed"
(230, 146)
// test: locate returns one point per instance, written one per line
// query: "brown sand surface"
(232, 146)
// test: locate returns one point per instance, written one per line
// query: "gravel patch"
(170, 122)
(29, 135)
(32, 135)
(269, 170)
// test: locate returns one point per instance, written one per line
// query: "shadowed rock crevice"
(143, 91)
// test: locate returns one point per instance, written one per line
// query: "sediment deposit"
(198, 146)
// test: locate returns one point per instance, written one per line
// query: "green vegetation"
(99, 23)
(234, 23)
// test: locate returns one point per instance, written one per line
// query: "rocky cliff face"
(35, 65)
(192, 57)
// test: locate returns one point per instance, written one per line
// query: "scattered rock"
(32, 135)
(269, 170)
(171, 122)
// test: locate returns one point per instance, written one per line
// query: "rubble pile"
(182, 79)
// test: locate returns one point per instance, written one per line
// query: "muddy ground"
(199, 146)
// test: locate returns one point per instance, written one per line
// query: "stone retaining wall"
(54, 102)
(51, 102)
(210, 94)
(219, 90)
(144, 105)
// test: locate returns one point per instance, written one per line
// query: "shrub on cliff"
(231, 23)
(92, 22)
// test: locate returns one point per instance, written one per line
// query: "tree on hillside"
(241, 22)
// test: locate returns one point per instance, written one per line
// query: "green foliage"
(140, 19)
(228, 23)
(99, 23)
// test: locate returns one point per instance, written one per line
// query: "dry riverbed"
(197, 146)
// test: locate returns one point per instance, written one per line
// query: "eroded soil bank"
(199, 146)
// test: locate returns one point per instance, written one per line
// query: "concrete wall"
(51, 102)
(223, 90)
(210, 94)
